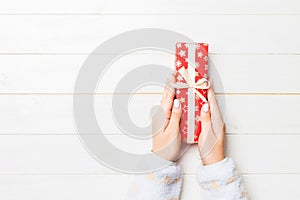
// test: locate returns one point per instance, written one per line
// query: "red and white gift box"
(191, 85)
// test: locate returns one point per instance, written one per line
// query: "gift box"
(191, 85)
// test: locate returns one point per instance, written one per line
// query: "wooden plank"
(153, 7)
(74, 187)
(244, 34)
(230, 73)
(53, 155)
(53, 114)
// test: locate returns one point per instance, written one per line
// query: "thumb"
(207, 138)
(176, 115)
(205, 118)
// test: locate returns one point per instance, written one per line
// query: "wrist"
(209, 160)
(216, 155)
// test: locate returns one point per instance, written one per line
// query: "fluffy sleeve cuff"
(161, 185)
(221, 181)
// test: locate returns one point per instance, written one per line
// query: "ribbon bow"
(202, 83)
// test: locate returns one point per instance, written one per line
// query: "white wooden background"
(254, 45)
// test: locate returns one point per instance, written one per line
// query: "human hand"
(166, 139)
(211, 142)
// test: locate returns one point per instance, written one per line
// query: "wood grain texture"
(52, 114)
(230, 73)
(259, 34)
(150, 7)
(65, 155)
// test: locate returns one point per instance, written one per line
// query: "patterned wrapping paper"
(191, 85)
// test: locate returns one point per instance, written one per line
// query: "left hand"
(166, 138)
(211, 143)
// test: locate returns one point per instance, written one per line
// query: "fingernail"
(205, 107)
(176, 103)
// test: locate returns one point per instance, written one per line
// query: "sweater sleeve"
(160, 185)
(221, 181)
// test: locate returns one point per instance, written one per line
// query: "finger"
(168, 96)
(214, 107)
(205, 118)
(175, 116)
(159, 120)
(169, 91)
(207, 137)
(216, 117)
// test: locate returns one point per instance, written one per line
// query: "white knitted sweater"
(219, 181)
